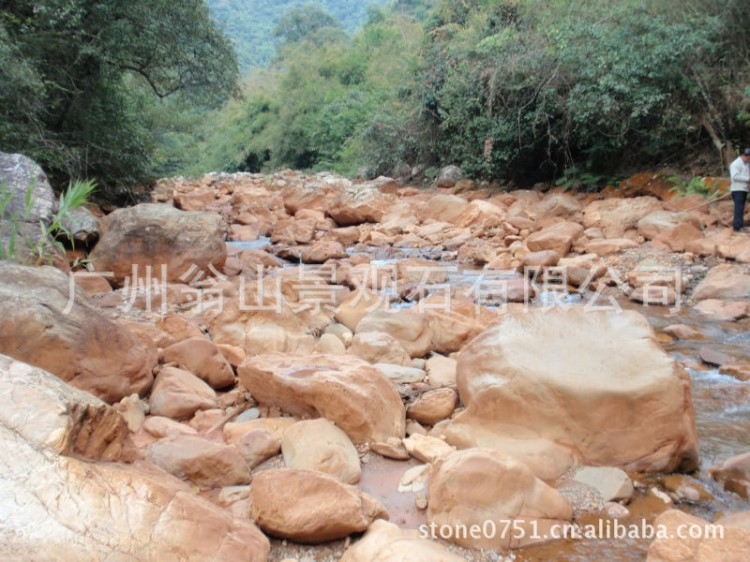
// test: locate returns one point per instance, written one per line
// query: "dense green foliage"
(508, 89)
(251, 23)
(82, 81)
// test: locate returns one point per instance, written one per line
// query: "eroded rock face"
(75, 510)
(472, 487)
(343, 389)
(310, 507)
(154, 235)
(80, 345)
(622, 403)
(411, 329)
(61, 508)
(201, 357)
(50, 414)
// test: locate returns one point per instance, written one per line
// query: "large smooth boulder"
(379, 347)
(472, 487)
(443, 208)
(359, 204)
(69, 509)
(623, 403)
(42, 323)
(386, 542)
(343, 389)
(456, 323)
(674, 230)
(50, 414)
(320, 445)
(725, 282)
(156, 236)
(310, 507)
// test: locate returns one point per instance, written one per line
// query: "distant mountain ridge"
(250, 23)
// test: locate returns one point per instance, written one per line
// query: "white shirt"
(739, 173)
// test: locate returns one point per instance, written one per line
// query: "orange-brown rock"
(310, 507)
(725, 281)
(321, 446)
(386, 542)
(204, 463)
(734, 474)
(474, 486)
(159, 237)
(201, 357)
(65, 420)
(558, 237)
(343, 389)
(70, 338)
(614, 216)
(525, 379)
(455, 322)
(731, 543)
(410, 328)
(433, 406)
(178, 394)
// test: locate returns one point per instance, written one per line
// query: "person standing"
(739, 173)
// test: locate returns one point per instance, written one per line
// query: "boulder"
(322, 251)
(386, 542)
(201, 357)
(730, 544)
(178, 394)
(49, 414)
(204, 463)
(472, 487)
(441, 371)
(611, 483)
(18, 174)
(627, 406)
(411, 329)
(455, 325)
(399, 374)
(614, 216)
(433, 406)
(71, 509)
(672, 229)
(310, 507)
(443, 208)
(343, 389)
(558, 237)
(69, 337)
(449, 176)
(159, 237)
(734, 474)
(320, 445)
(379, 347)
(726, 282)
(359, 204)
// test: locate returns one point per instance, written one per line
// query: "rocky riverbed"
(298, 367)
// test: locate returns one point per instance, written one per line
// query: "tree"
(95, 60)
(306, 22)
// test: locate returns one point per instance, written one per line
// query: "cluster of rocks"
(194, 421)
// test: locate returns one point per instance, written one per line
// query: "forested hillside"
(251, 23)
(512, 90)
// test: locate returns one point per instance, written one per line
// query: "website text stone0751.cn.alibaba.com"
(504, 530)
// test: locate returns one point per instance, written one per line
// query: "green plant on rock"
(695, 186)
(43, 249)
